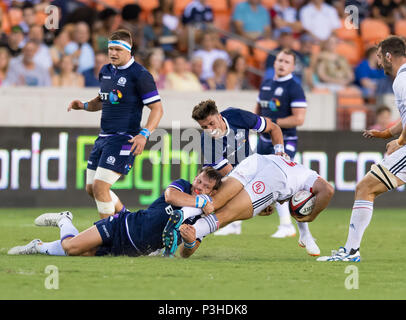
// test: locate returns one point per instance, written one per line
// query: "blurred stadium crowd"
(202, 44)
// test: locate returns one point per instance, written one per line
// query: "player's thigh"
(84, 242)
(369, 188)
(229, 188)
(103, 180)
(238, 208)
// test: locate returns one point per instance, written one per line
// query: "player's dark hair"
(213, 174)
(383, 108)
(204, 109)
(394, 45)
(122, 34)
(290, 53)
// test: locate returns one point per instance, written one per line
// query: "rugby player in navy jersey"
(225, 139)
(125, 88)
(282, 99)
(131, 233)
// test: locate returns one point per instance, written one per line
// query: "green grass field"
(249, 266)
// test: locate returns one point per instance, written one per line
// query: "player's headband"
(120, 43)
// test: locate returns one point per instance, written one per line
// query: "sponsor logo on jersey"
(258, 187)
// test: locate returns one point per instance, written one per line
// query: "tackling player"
(225, 139)
(256, 183)
(127, 233)
(125, 87)
(283, 100)
(390, 173)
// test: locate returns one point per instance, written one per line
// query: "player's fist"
(187, 232)
(208, 208)
(267, 211)
(138, 144)
(76, 105)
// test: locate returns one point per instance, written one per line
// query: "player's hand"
(208, 208)
(76, 105)
(138, 144)
(373, 133)
(267, 211)
(392, 146)
(283, 154)
(187, 232)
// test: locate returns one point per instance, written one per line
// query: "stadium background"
(43, 149)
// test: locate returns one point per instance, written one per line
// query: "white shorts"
(396, 163)
(268, 178)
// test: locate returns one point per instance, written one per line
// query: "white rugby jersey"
(399, 89)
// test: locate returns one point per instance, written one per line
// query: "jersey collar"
(285, 78)
(227, 126)
(403, 66)
(127, 65)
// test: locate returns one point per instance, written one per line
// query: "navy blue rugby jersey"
(144, 228)
(124, 91)
(277, 98)
(234, 146)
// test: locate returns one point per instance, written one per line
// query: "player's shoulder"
(106, 68)
(399, 83)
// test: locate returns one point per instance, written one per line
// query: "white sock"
(52, 248)
(190, 212)
(283, 212)
(67, 229)
(206, 225)
(360, 219)
(303, 229)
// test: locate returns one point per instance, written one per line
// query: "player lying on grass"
(256, 183)
(127, 233)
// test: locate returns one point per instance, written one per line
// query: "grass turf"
(248, 266)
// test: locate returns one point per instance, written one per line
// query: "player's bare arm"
(393, 131)
(92, 105)
(139, 141)
(295, 120)
(396, 144)
(276, 136)
(190, 244)
(182, 199)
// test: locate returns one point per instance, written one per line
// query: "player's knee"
(89, 190)
(70, 248)
(100, 189)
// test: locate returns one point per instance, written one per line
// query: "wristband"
(189, 245)
(201, 201)
(85, 105)
(279, 148)
(145, 132)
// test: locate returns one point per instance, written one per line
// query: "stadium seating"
(373, 31)
(233, 45)
(218, 6)
(400, 28)
(350, 51)
(344, 33)
(260, 55)
(179, 6)
(222, 21)
(349, 104)
(147, 5)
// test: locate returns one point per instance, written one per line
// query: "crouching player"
(128, 233)
(256, 183)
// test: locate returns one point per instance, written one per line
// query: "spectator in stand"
(23, 71)
(319, 19)
(285, 41)
(130, 21)
(154, 64)
(209, 54)
(284, 18)
(237, 75)
(15, 41)
(4, 63)
(251, 20)
(57, 50)
(158, 35)
(181, 79)
(92, 75)
(385, 10)
(29, 17)
(383, 118)
(331, 70)
(196, 67)
(103, 28)
(170, 19)
(218, 81)
(68, 77)
(42, 56)
(80, 49)
(197, 12)
(3, 35)
(368, 74)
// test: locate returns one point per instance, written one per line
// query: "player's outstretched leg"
(170, 235)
